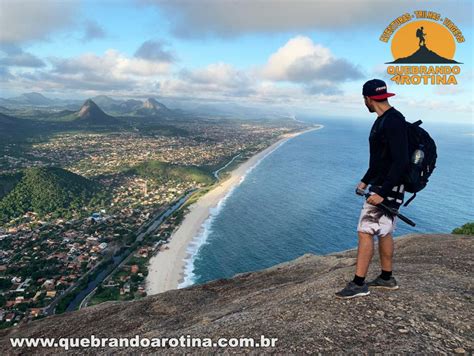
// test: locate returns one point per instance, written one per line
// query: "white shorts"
(373, 221)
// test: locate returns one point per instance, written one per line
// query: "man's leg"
(385, 279)
(386, 252)
(365, 251)
(357, 287)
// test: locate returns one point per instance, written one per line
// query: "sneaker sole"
(353, 296)
(383, 287)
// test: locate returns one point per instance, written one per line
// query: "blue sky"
(296, 56)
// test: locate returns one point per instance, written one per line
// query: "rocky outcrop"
(91, 114)
(152, 107)
(432, 312)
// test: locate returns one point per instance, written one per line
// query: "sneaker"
(352, 290)
(382, 283)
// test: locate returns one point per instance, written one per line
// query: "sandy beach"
(166, 268)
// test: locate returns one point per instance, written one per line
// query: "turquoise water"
(300, 198)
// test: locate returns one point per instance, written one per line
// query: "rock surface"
(432, 312)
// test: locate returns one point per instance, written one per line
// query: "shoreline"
(166, 269)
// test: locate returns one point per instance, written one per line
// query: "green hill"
(49, 190)
(91, 114)
(163, 170)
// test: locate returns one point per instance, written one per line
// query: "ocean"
(300, 199)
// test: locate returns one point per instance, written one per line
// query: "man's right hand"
(360, 189)
(362, 186)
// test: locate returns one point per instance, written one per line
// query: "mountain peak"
(89, 102)
(34, 95)
(152, 103)
(92, 113)
(89, 108)
(153, 107)
(103, 97)
(33, 98)
(104, 100)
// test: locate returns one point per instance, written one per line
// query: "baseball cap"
(376, 89)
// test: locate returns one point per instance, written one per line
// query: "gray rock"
(295, 303)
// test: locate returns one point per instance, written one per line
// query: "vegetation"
(154, 129)
(103, 294)
(164, 170)
(49, 190)
(466, 229)
(195, 196)
(8, 182)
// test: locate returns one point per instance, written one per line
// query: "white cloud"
(111, 64)
(448, 90)
(302, 61)
(154, 50)
(217, 80)
(5, 75)
(297, 49)
(300, 67)
(111, 72)
(227, 18)
(14, 56)
(27, 20)
(220, 74)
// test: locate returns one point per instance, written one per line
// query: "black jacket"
(389, 159)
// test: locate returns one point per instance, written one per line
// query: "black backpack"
(421, 164)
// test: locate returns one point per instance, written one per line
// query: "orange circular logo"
(423, 42)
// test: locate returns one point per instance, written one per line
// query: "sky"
(299, 57)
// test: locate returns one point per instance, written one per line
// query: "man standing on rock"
(388, 160)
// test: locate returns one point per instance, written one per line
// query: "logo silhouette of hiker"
(421, 36)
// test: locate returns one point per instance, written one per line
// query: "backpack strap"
(410, 200)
